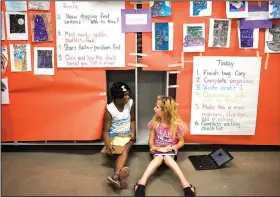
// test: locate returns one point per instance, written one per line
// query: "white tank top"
(120, 120)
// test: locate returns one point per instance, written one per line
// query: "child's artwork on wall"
(194, 37)
(272, 39)
(20, 57)
(219, 33)
(41, 27)
(3, 34)
(4, 59)
(274, 9)
(162, 36)
(5, 91)
(15, 6)
(258, 17)
(16, 26)
(248, 38)
(38, 5)
(43, 60)
(236, 9)
(200, 8)
(160, 8)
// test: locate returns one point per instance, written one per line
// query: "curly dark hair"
(116, 90)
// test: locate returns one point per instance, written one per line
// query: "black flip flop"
(188, 191)
(140, 191)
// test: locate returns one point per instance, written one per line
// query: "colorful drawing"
(199, 6)
(246, 38)
(160, 8)
(20, 57)
(237, 6)
(194, 36)
(44, 59)
(17, 23)
(4, 59)
(41, 27)
(221, 33)
(272, 39)
(274, 9)
(39, 5)
(161, 36)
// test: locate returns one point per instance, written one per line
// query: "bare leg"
(120, 166)
(121, 160)
(169, 161)
(153, 165)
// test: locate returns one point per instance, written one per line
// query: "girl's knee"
(168, 160)
(125, 152)
(158, 159)
(127, 148)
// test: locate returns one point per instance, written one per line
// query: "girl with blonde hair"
(166, 134)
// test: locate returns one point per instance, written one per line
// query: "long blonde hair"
(169, 108)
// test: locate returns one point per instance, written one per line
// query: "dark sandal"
(124, 173)
(115, 180)
(139, 191)
(188, 191)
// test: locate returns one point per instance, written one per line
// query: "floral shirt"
(163, 136)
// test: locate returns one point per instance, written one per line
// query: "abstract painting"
(193, 37)
(160, 8)
(274, 9)
(44, 61)
(38, 5)
(162, 35)
(236, 9)
(248, 38)
(5, 91)
(272, 39)
(219, 33)
(4, 59)
(20, 57)
(200, 8)
(3, 37)
(16, 25)
(41, 27)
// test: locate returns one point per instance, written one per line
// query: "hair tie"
(123, 89)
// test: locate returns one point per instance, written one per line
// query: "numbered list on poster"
(89, 34)
(225, 95)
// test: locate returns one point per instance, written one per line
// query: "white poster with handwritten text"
(89, 34)
(225, 95)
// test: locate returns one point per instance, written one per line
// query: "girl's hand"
(170, 148)
(109, 148)
(152, 149)
(132, 136)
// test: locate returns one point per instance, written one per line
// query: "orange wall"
(67, 106)
(268, 114)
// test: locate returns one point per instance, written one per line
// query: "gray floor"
(84, 173)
